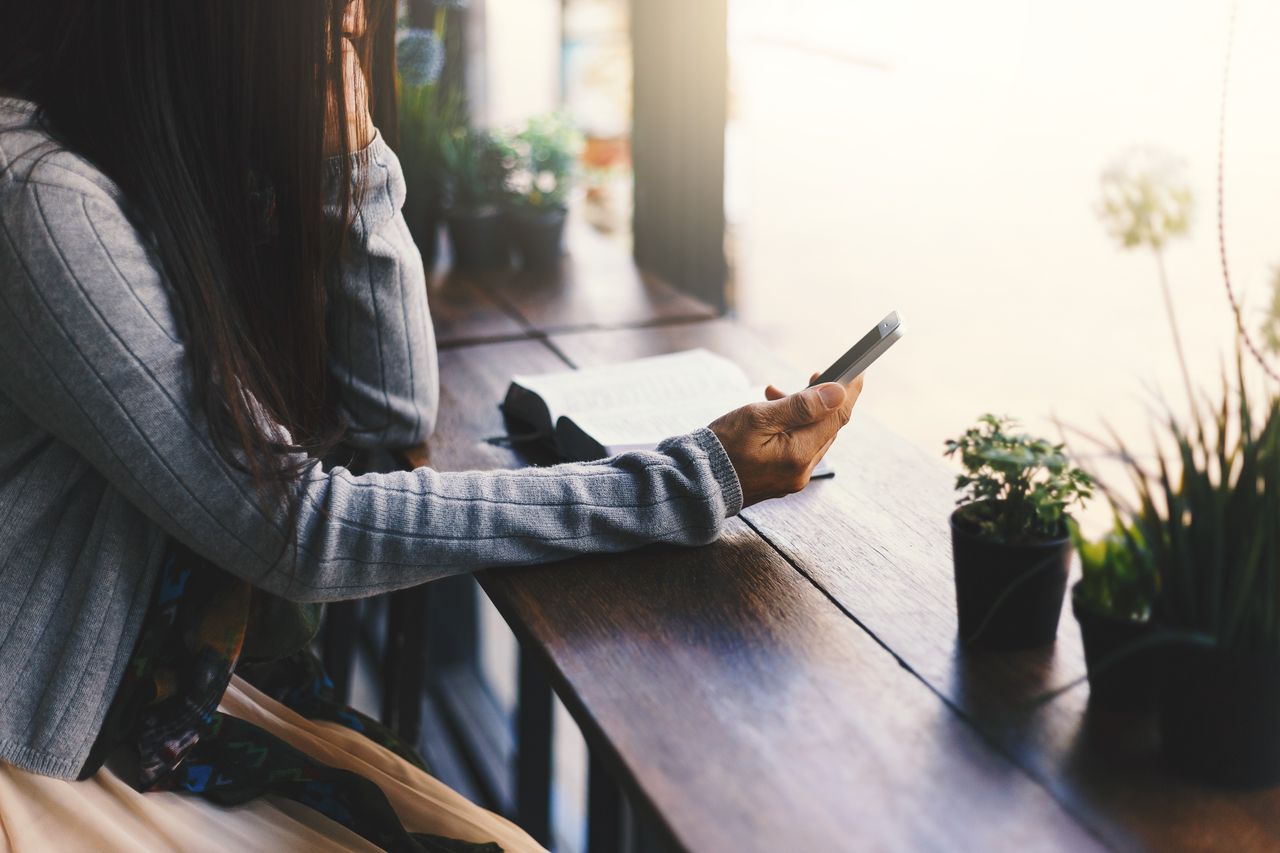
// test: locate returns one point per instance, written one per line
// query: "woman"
(205, 282)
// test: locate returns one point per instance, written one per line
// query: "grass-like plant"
(1112, 581)
(1271, 324)
(1207, 523)
(428, 115)
(1017, 488)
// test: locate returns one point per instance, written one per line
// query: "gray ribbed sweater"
(104, 453)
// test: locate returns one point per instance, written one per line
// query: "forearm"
(381, 340)
(363, 535)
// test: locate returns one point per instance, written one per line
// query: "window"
(945, 159)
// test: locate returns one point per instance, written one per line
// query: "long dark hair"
(210, 117)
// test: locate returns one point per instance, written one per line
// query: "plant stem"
(1173, 326)
(441, 17)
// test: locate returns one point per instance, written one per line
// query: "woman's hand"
(359, 123)
(775, 445)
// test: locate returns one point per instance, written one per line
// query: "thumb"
(807, 406)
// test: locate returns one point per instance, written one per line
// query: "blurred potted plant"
(476, 188)
(1211, 528)
(428, 111)
(1009, 535)
(1112, 603)
(543, 158)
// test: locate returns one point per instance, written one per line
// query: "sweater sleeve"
(91, 353)
(381, 342)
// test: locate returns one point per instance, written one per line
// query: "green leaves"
(1113, 580)
(1031, 479)
(1207, 527)
(475, 164)
(542, 160)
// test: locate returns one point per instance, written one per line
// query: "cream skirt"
(103, 813)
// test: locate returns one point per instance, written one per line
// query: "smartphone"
(873, 345)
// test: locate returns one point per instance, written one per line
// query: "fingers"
(815, 438)
(804, 458)
(822, 452)
(805, 407)
(852, 392)
(808, 442)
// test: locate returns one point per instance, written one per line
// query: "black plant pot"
(538, 236)
(1007, 596)
(478, 239)
(1124, 674)
(1220, 717)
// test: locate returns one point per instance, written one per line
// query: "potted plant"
(476, 188)
(427, 111)
(543, 157)
(1112, 603)
(1009, 535)
(1209, 523)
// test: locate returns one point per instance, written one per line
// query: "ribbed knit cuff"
(359, 160)
(722, 469)
(45, 763)
(376, 189)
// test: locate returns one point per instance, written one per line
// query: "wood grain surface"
(463, 311)
(875, 539)
(596, 286)
(733, 696)
(752, 714)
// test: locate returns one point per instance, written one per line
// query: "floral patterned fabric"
(204, 624)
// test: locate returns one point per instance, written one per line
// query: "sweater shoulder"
(30, 155)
